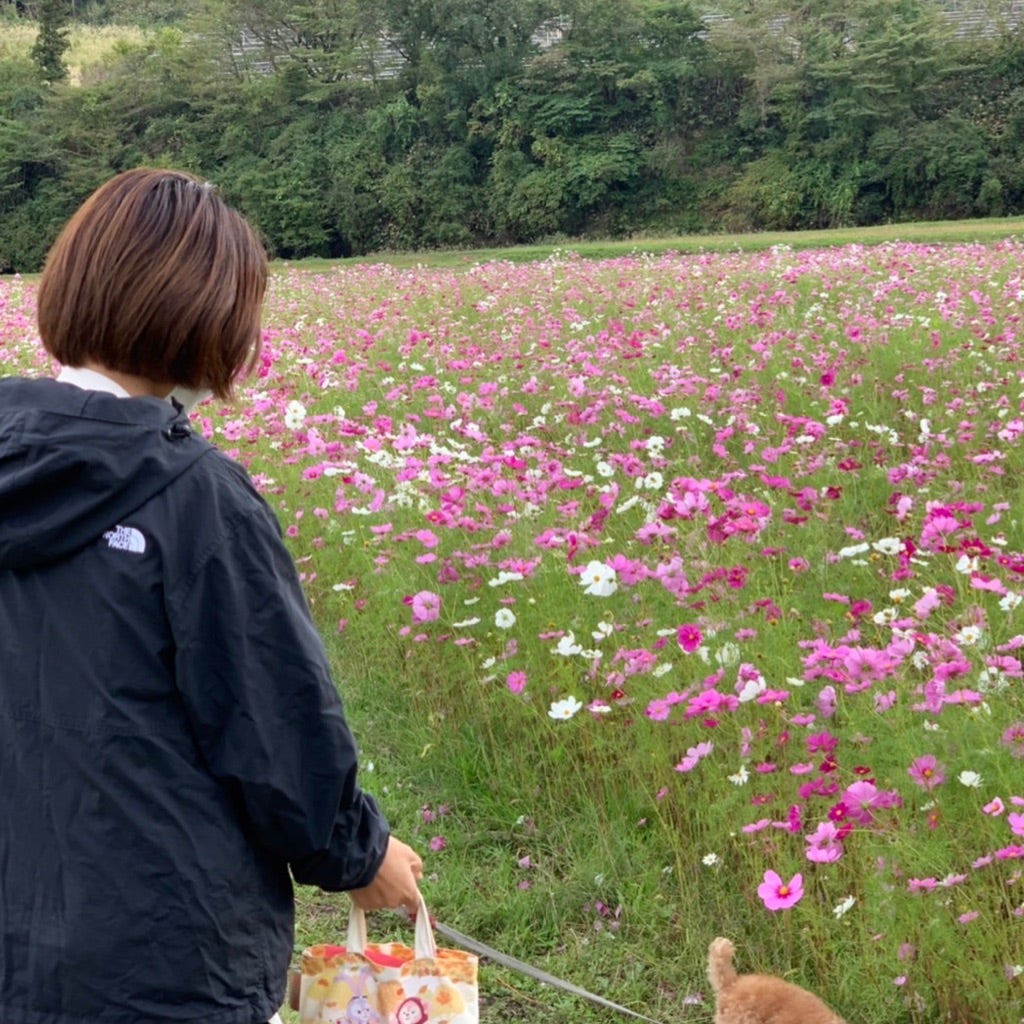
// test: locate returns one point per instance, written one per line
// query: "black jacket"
(171, 742)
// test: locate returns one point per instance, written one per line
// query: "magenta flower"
(516, 681)
(1016, 823)
(778, 895)
(1013, 738)
(927, 772)
(689, 637)
(426, 606)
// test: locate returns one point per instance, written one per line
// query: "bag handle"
(424, 945)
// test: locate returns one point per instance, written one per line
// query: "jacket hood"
(73, 463)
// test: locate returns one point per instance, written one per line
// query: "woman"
(173, 751)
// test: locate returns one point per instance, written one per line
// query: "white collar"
(91, 380)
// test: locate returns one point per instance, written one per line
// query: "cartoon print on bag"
(411, 1011)
(359, 1011)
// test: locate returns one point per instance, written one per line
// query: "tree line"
(344, 127)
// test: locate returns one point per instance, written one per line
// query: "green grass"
(993, 229)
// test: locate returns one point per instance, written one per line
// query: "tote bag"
(387, 983)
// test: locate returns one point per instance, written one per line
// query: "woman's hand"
(396, 882)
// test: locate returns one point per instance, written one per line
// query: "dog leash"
(520, 966)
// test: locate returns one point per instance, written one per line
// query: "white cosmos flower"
(972, 780)
(841, 908)
(888, 546)
(564, 708)
(504, 577)
(598, 580)
(854, 549)
(567, 646)
(1009, 601)
(728, 654)
(504, 618)
(968, 636)
(294, 415)
(710, 859)
(740, 778)
(752, 688)
(652, 481)
(466, 623)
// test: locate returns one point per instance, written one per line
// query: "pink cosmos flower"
(689, 637)
(860, 798)
(694, 756)
(426, 606)
(826, 701)
(1016, 823)
(994, 807)
(772, 697)
(927, 772)
(1013, 738)
(818, 742)
(516, 681)
(824, 844)
(710, 701)
(884, 701)
(1013, 852)
(778, 895)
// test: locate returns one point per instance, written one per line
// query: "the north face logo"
(125, 538)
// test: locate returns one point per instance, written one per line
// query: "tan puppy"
(760, 998)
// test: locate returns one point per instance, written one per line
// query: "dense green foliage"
(52, 40)
(345, 127)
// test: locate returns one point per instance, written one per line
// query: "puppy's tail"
(721, 972)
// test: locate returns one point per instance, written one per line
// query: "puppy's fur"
(759, 998)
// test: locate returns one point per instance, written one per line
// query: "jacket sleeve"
(266, 715)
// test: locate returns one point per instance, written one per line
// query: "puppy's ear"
(721, 972)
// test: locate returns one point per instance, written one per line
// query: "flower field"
(675, 596)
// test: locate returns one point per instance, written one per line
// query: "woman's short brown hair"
(158, 277)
